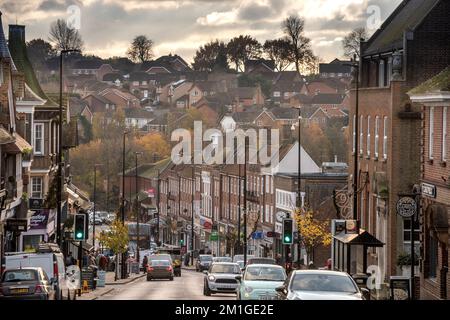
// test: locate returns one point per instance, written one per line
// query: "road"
(187, 287)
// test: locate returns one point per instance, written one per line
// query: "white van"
(49, 260)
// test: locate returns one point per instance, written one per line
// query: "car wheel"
(149, 278)
(171, 279)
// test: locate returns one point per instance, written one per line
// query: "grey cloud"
(254, 12)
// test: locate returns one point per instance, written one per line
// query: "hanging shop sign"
(428, 189)
(406, 207)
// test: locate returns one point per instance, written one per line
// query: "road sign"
(406, 207)
(214, 236)
(280, 215)
(17, 225)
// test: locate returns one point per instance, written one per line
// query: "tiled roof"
(4, 50)
(335, 66)
(76, 105)
(439, 83)
(251, 64)
(328, 98)
(112, 77)
(140, 76)
(407, 16)
(243, 92)
(87, 64)
(244, 117)
(138, 113)
(284, 113)
(19, 54)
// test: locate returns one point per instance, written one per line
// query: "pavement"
(110, 286)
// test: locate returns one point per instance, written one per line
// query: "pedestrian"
(186, 259)
(311, 266)
(102, 262)
(145, 264)
(70, 260)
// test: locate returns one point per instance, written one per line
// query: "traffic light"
(288, 231)
(79, 227)
(181, 242)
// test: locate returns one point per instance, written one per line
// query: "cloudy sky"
(181, 26)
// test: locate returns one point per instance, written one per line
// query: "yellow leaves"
(312, 231)
(116, 238)
(153, 144)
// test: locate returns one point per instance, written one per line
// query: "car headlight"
(248, 289)
(211, 278)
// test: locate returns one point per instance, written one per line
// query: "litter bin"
(361, 282)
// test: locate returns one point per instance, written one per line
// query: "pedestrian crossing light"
(288, 231)
(79, 228)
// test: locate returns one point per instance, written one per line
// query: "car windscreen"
(225, 268)
(19, 275)
(261, 261)
(322, 282)
(224, 259)
(160, 257)
(206, 258)
(264, 274)
(159, 263)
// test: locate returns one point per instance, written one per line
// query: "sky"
(181, 26)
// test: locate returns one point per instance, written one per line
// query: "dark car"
(159, 269)
(26, 284)
(261, 261)
(204, 261)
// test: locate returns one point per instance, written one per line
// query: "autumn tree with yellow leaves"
(313, 232)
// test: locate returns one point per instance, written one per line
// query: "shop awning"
(17, 146)
(364, 238)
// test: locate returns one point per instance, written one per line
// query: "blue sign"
(258, 235)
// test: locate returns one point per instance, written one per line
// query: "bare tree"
(65, 37)
(301, 52)
(141, 49)
(352, 42)
(279, 51)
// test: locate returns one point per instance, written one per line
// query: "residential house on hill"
(259, 66)
(138, 118)
(121, 99)
(245, 97)
(113, 79)
(335, 69)
(98, 103)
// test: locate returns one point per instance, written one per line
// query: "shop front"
(38, 232)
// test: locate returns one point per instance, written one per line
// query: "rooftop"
(437, 84)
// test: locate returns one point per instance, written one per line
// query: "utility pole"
(245, 202)
(93, 214)
(157, 207)
(123, 256)
(137, 204)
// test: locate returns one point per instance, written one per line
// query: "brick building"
(434, 96)
(406, 50)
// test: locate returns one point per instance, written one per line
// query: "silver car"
(221, 277)
(319, 285)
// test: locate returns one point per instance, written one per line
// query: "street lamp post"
(93, 214)
(60, 134)
(123, 257)
(158, 209)
(299, 178)
(192, 214)
(137, 204)
(355, 66)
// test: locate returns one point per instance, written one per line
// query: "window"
(276, 94)
(36, 187)
(368, 136)
(354, 133)
(39, 138)
(361, 135)
(407, 236)
(385, 138)
(389, 72)
(377, 137)
(444, 134)
(431, 134)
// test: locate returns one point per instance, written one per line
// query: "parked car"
(48, 257)
(259, 282)
(26, 284)
(320, 285)
(204, 261)
(160, 269)
(241, 265)
(222, 259)
(221, 277)
(98, 220)
(261, 261)
(240, 257)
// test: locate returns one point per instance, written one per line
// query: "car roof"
(226, 263)
(330, 272)
(24, 268)
(264, 265)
